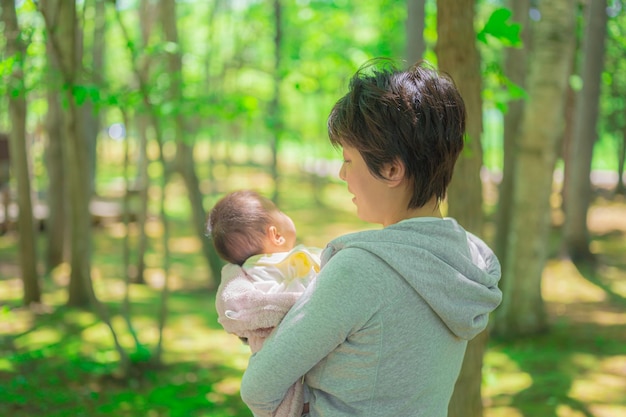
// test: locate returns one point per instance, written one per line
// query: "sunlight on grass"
(39, 338)
(190, 336)
(606, 217)
(154, 229)
(11, 289)
(503, 376)
(502, 412)
(186, 244)
(117, 230)
(604, 410)
(6, 365)
(563, 283)
(600, 387)
(616, 279)
(115, 289)
(573, 371)
(14, 321)
(223, 389)
(564, 410)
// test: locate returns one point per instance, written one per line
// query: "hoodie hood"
(454, 271)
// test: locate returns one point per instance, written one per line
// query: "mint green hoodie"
(383, 329)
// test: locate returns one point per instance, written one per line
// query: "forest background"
(126, 120)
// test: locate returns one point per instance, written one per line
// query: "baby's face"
(286, 228)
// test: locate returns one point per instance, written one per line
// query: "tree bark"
(516, 64)
(274, 112)
(621, 157)
(90, 109)
(19, 155)
(578, 197)
(458, 55)
(185, 164)
(522, 311)
(56, 197)
(142, 182)
(61, 24)
(415, 23)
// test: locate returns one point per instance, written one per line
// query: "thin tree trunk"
(185, 164)
(576, 234)
(621, 157)
(522, 311)
(90, 110)
(274, 116)
(19, 155)
(458, 55)
(415, 24)
(142, 182)
(126, 311)
(57, 194)
(5, 177)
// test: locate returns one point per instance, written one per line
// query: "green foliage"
(498, 27)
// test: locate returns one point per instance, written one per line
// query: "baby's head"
(244, 223)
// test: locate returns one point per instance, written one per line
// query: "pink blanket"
(249, 313)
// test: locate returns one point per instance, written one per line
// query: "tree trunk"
(274, 112)
(576, 234)
(522, 311)
(57, 193)
(516, 64)
(621, 157)
(5, 178)
(62, 28)
(458, 55)
(148, 11)
(415, 23)
(467, 398)
(18, 154)
(90, 110)
(185, 164)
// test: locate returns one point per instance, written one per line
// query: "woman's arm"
(337, 304)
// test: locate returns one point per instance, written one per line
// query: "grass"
(60, 362)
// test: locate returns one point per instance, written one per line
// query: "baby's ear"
(275, 236)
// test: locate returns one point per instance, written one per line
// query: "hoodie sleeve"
(333, 307)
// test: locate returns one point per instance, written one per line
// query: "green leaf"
(497, 27)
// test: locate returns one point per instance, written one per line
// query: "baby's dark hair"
(415, 116)
(238, 223)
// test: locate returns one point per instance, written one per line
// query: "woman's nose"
(342, 172)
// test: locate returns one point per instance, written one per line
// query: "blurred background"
(124, 121)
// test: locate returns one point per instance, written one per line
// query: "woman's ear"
(394, 172)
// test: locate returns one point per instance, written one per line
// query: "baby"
(267, 272)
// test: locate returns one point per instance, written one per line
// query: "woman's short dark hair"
(237, 225)
(415, 116)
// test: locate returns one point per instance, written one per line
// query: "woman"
(384, 328)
